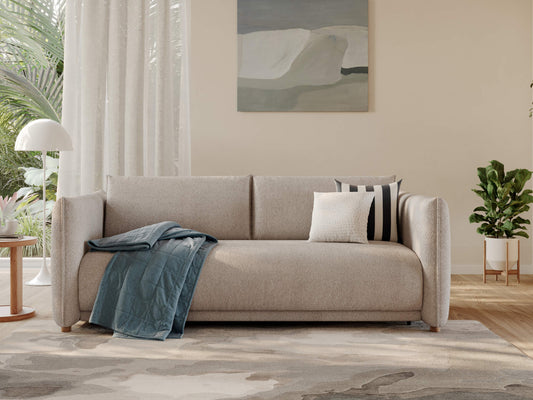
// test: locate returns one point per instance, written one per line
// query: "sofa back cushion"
(219, 206)
(283, 205)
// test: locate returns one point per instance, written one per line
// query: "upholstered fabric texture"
(425, 228)
(293, 275)
(74, 221)
(283, 205)
(292, 316)
(219, 206)
(263, 279)
(382, 220)
(340, 217)
(302, 315)
(91, 271)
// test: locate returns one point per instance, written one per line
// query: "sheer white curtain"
(125, 100)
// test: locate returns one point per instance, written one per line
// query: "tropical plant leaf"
(31, 82)
(522, 176)
(482, 174)
(36, 208)
(521, 233)
(35, 27)
(520, 220)
(25, 93)
(34, 176)
(499, 168)
(510, 175)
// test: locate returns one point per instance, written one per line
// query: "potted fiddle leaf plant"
(501, 216)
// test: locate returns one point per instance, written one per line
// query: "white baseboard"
(477, 269)
(27, 262)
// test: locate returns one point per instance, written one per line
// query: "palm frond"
(24, 96)
(35, 27)
(31, 81)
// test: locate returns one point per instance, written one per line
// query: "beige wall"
(449, 90)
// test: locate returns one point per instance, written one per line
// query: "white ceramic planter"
(9, 228)
(497, 253)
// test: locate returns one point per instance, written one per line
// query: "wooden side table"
(16, 311)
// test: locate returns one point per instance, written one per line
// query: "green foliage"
(504, 200)
(531, 108)
(31, 86)
(29, 210)
(33, 29)
(28, 93)
(31, 224)
(11, 207)
(33, 178)
(31, 77)
(11, 177)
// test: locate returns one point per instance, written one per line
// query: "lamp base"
(43, 278)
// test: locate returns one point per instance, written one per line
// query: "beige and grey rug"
(284, 361)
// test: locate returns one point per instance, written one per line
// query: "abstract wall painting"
(303, 55)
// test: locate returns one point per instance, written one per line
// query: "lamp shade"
(43, 135)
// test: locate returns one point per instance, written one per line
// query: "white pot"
(497, 253)
(10, 227)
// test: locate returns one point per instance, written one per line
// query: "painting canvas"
(303, 55)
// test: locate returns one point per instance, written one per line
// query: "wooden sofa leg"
(65, 329)
(434, 329)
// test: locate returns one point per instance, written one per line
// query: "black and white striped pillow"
(382, 220)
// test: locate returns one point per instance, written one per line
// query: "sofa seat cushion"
(293, 275)
(298, 275)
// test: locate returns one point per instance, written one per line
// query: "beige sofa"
(264, 268)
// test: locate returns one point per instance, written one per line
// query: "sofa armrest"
(424, 227)
(75, 220)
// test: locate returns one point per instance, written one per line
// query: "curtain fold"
(125, 101)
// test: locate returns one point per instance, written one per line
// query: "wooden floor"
(506, 310)
(38, 297)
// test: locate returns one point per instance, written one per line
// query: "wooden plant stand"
(499, 272)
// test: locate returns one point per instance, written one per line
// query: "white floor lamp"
(43, 135)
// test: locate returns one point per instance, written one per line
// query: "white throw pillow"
(340, 217)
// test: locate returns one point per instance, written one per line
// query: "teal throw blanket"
(147, 288)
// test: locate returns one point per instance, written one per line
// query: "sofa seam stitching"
(252, 205)
(437, 247)
(63, 259)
